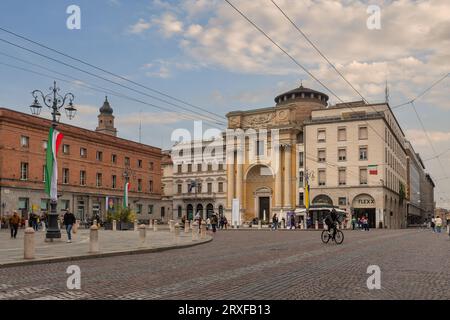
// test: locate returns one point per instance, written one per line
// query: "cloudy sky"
(204, 53)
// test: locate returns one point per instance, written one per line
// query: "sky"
(202, 52)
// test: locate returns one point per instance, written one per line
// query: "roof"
(106, 108)
(299, 91)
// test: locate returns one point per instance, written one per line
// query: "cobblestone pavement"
(415, 264)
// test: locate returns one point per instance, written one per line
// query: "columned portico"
(287, 177)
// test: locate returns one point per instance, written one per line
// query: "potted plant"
(124, 219)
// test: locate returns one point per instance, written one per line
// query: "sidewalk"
(111, 243)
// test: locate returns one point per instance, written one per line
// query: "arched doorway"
(221, 211)
(200, 210)
(190, 212)
(259, 183)
(364, 205)
(209, 210)
(322, 199)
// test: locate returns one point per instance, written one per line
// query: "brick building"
(92, 168)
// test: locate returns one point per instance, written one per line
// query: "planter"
(125, 226)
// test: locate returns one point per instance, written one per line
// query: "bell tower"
(106, 120)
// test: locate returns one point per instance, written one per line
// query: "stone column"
(114, 225)
(28, 246)
(239, 181)
(93, 239)
(278, 173)
(186, 226)
(142, 234)
(230, 185)
(287, 176)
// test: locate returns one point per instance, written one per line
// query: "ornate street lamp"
(54, 101)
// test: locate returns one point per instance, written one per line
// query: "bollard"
(317, 225)
(26, 224)
(176, 232)
(301, 225)
(135, 225)
(155, 226)
(93, 239)
(194, 231)
(186, 226)
(28, 246)
(259, 224)
(235, 225)
(142, 234)
(43, 226)
(114, 225)
(203, 230)
(171, 224)
(150, 224)
(95, 222)
(190, 224)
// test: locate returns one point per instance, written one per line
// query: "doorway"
(264, 208)
(369, 213)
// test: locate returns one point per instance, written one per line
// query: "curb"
(99, 255)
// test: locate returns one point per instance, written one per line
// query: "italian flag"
(51, 165)
(126, 188)
(373, 169)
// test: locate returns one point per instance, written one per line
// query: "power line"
(423, 92)
(110, 73)
(318, 50)
(105, 79)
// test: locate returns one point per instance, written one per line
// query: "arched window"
(209, 210)
(180, 211)
(190, 211)
(220, 210)
(199, 210)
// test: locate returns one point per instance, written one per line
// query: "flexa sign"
(366, 201)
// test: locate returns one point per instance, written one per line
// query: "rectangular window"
(199, 167)
(83, 152)
(301, 198)
(322, 177)
(321, 155)
(189, 169)
(24, 141)
(127, 161)
(342, 176)
(220, 168)
(114, 181)
(300, 159)
(180, 189)
(114, 158)
(150, 209)
(99, 156)
(150, 186)
(66, 149)
(82, 178)
(209, 187)
(151, 166)
(300, 178)
(363, 176)
(24, 171)
(321, 135)
(199, 187)
(139, 208)
(363, 153)
(220, 186)
(363, 133)
(342, 201)
(98, 180)
(342, 134)
(65, 178)
(139, 185)
(209, 167)
(179, 168)
(24, 203)
(44, 204)
(342, 154)
(139, 163)
(260, 148)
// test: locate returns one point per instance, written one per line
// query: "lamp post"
(54, 101)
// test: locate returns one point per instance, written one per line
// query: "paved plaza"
(414, 264)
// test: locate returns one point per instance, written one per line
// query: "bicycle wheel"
(325, 236)
(339, 237)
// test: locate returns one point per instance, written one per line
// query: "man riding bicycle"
(331, 221)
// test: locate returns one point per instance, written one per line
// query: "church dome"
(106, 108)
(301, 93)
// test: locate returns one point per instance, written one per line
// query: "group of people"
(213, 222)
(436, 224)
(361, 223)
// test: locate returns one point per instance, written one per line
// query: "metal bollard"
(142, 234)
(186, 226)
(93, 239)
(28, 246)
(114, 225)
(203, 230)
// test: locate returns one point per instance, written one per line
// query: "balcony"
(195, 196)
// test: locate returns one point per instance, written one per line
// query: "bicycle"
(338, 237)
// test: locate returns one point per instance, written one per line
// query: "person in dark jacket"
(214, 222)
(14, 222)
(69, 220)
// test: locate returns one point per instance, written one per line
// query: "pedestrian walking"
(225, 223)
(438, 222)
(14, 222)
(214, 222)
(69, 220)
(292, 222)
(433, 225)
(274, 222)
(353, 223)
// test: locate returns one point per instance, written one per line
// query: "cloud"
(419, 138)
(139, 27)
(168, 24)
